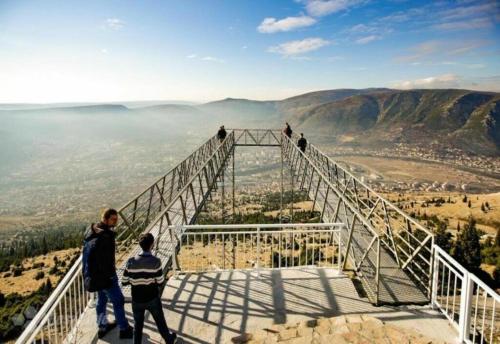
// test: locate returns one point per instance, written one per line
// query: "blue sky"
(65, 51)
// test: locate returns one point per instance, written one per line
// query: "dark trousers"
(154, 307)
(115, 295)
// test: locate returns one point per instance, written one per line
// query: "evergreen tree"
(482, 208)
(443, 238)
(467, 247)
(45, 248)
(464, 199)
(47, 287)
(497, 238)
(469, 204)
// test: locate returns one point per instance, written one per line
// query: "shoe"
(173, 338)
(105, 329)
(127, 334)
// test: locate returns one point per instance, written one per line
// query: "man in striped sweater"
(145, 274)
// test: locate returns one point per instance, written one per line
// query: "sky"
(98, 51)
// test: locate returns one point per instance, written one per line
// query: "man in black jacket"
(288, 130)
(99, 271)
(302, 143)
(221, 134)
(145, 274)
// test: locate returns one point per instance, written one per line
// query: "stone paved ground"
(215, 307)
(357, 329)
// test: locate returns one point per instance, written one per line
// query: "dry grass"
(26, 283)
(457, 211)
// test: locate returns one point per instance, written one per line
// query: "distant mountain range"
(468, 120)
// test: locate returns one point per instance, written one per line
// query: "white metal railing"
(224, 247)
(62, 311)
(57, 321)
(468, 303)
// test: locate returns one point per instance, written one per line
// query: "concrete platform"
(214, 307)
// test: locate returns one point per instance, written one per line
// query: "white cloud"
(114, 23)
(475, 23)
(362, 33)
(318, 8)
(489, 83)
(299, 47)
(440, 81)
(476, 66)
(212, 59)
(205, 58)
(367, 39)
(272, 25)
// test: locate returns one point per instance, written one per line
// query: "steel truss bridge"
(391, 253)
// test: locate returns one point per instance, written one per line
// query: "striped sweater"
(144, 273)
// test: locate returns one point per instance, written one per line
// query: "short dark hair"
(146, 241)
(107, 213)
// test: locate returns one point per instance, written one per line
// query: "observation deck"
(365, 256)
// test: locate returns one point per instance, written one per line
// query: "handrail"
(387, 202)
(354, 210)
(267, 225)
(453, 293)
(74, 278)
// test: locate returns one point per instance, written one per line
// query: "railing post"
(339, 252)
(173, 240)
(465, 308)
(377, 278)
(258, 248)
(435, 277)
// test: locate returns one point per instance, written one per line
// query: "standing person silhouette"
(99, 272)
(145, 274)
(288, 130)
(302, 143)
(221, 134)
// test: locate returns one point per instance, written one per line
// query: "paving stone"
(297, 340)
(355, 337)
(287, 334)
(354, 319)
(259, 334)
(354, 327)
(336, 330)
(336, 321)
(322, 330)
(396, 335)
(305, 331)
(242, 338)
(323, 322)
(340, 329)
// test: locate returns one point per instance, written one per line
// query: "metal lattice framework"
(391, 253)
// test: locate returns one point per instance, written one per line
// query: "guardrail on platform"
(468, 303)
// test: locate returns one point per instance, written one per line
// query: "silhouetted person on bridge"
(288, 130)
(99, 272)
(302, 143)
(145, 274)
(221, 134)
